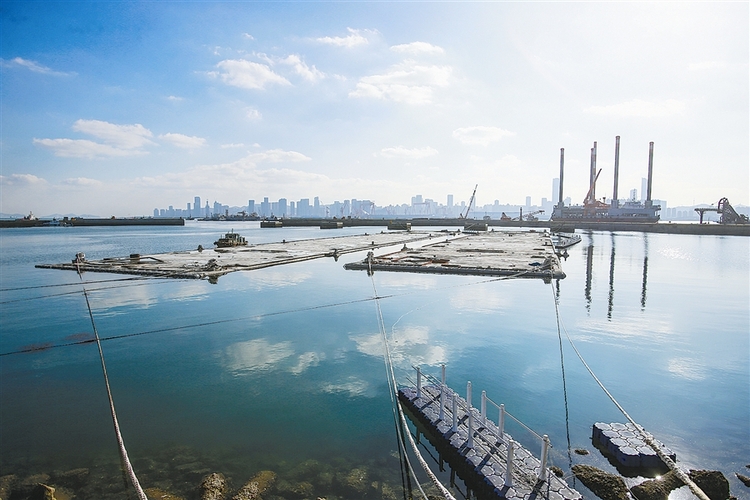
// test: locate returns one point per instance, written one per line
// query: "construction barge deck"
(526, 254)
(489, 460)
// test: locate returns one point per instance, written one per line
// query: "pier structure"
(484, 454)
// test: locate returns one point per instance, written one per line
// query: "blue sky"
(114, 108)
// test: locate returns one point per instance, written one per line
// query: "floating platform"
(625, 444)
(81, 222)
(212, 263)
(478, 450)
(523, 254)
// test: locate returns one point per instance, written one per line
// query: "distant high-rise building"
(207, 210)
(316, 207)
(282, 207)
(556, 190)
(292, 211)
(450, 200)
(528, 201)
(644, 188)
(197, 206)
(156, 212)
(303, 207)
(633, 195)
(189, 214)
(250, 206)
(265, 207)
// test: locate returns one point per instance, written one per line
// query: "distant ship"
(231, 239)
(595, 210)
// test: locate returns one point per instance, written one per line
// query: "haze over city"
(113, 108)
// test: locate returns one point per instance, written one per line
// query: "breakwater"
(565, 226)
(80, 222)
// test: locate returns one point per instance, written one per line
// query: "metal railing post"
(470, 438)
(543, 464)
(484, 407)
(468, 393)
(455, 412)
(419, 383)
(501, 421)
(442, 402)
(442, 373)
(509, 467)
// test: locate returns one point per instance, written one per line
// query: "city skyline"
(109, 106)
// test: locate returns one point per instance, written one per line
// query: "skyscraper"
(197, 206)
(555, 190)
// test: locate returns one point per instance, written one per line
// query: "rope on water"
(121, 445)
(394, 394)
(647, 437)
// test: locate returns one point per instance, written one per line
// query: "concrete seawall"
(567, 226)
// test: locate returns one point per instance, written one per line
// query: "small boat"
(563, 240)
(231, 239)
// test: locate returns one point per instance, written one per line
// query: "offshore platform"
(594, 210)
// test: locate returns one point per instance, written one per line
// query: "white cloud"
(21, 179)
(36, 67)
(175, 98)
(82, 148)
(417, 48)
(354, 38)
(707, 65)
(407, 82)
(402, 152)
(253, 114)
(82, 181)
(277, 156)
(480, 135)
(232, 145)
(247, 74)
(302, 69)
(119, 136)
(183, 141)
(248, 36)
(640, 108)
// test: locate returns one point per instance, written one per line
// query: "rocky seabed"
(181, 474)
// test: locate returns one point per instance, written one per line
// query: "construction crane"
(531, 216)
(471, 201)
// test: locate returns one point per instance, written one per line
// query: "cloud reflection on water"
(255, 355)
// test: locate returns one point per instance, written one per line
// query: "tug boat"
(231, 239)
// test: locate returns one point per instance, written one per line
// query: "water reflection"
(256, 355)
(611, 279)
(645, 271)
(589, 271)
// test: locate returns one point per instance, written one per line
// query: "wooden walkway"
(485, 455)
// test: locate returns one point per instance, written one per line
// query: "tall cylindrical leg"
(468, 393)
(419, 383)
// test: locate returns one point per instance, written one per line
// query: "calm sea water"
(282, 365)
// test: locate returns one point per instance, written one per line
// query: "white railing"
(476, 419)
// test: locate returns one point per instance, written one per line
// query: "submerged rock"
(712, 482)
(158, 494)
(74, 478)
(657, 489)
(213, 487)
(745, 480)
(6, 485)
(355, 482)
(262, 482)
(603, 484)
(556, 470)
(581, 451)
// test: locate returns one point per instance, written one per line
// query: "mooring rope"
(394, 394)
(120, 443)
(647, 437)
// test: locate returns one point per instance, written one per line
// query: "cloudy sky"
(115, 108)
